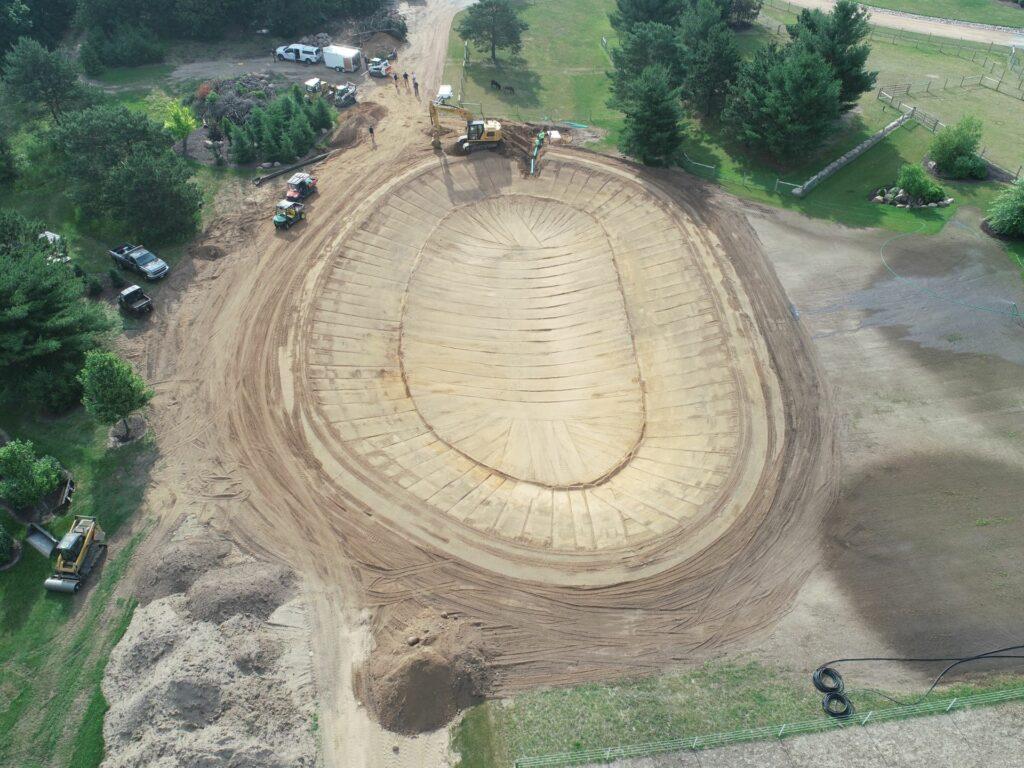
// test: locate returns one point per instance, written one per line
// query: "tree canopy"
(111, 390)
(783, 102)
(34, 75)
(25, 477)
(493, 25)
(645, 44)
(46, 325)
(838, 36)
(955, 149)
(629, 13)
(651, 132)
(708, 55)
(1006, 214)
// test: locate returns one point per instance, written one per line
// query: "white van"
(342, 58)
(307, 54)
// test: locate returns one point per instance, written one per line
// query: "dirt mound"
(419, 682)
(181, 564)
(179, 695)
(353, 122)
(253, 589)
(207, 252)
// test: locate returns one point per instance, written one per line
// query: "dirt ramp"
(419, 682)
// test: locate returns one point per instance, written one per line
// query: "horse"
(495, 85)
(509, 90)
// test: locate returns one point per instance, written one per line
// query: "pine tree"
(646, 43)
(839, 37)
(651, 132)
(708, 56)
(783, 102)
(628, 13)
(242, 150)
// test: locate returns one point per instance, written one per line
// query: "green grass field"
(983, 11)
(712, 698)
(49, 679)
(560, 75)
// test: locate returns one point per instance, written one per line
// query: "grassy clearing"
(983, 11)
(50, 680)
(709, 699)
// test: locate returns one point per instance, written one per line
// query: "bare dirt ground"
(283, 403)
(925, 26)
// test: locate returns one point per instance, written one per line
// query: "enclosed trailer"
(342, 58)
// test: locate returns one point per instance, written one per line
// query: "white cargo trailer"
(342, 58)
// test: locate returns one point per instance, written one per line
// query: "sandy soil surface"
(253, 435)
(925, 26)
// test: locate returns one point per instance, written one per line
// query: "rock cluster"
(320, 40)
(899, 198)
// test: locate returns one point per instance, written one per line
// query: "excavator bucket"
(58, 584)
(41, 540)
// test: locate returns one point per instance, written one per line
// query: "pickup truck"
(134, 301)
(138, 259)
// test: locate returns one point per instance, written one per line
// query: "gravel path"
(928, 25)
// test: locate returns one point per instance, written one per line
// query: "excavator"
(479, 133)
(78, 551)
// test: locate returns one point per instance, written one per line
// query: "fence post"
(946, 84)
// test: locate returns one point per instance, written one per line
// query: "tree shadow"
(513, 73)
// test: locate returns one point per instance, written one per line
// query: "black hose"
(837, 704)
(830, 682)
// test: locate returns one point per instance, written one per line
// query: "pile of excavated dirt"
(216, 675)
(419, 682)
(252, 589)
(353, 122)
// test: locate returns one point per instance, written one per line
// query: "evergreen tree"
(708, 55)
(783, 102)
(320, 115)
(644, 44)
(285, 149)
(493, 25)
(629, 13)
(153, 197)
(301, 134)
(34, 75)
(242, 150)
(651, 132)
(839, 37)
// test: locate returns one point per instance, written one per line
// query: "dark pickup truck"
(138, 259)
(134, 301)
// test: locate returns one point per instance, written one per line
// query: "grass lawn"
(709, 699)
(984, 11)
(49, 680)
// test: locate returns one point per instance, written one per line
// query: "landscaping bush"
(6, 546)
(955, 150)
(116, 279)
(25, 477)
(54, 390)
(919, 185)
(93, 287)
(1006, 214)
(125, 46)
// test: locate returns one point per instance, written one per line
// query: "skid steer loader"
(78, 551)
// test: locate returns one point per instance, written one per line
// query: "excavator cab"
(481, 133)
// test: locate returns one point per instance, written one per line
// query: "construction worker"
(405, 77)
(373, 140)
(395, 75)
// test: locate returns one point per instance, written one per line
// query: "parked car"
(138, 259)
(134, 301)
(307, 54)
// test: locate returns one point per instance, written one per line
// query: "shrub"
(6, 545)
(955, 150)
(25, 477)
(1006, 214)
(918, 185)
(116, 279)
(8, 170)
(93, 287)
(54, 389)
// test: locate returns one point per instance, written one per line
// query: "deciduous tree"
(955, 149)
(152, 196)
(180, 121)
(111, 390)
(493, 25)
(25, 476)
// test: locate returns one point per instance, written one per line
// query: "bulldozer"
(479, 133)
(78, 551)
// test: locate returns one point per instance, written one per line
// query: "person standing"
(373, 139)
(395, 75)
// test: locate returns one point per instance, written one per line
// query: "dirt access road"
(925, 25)
(553, 430)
